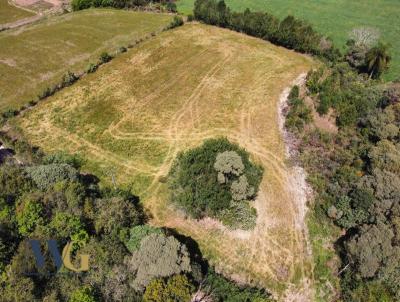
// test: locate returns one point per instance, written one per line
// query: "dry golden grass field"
(10, 13)
(170, 93)
(36, 56)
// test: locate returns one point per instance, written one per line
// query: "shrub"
(29, 215)
(298, 116)
(239, 215)
(68, 79)
(224, 290)
(49, 91)
(122, 49)
(83, 294)
(190, 18)
(80, 4)
(61, 157)
(176, 289)
(176, 22)
(9, 113)
(116, 215)
(91, 68)
(105, 57)
(45, 176)
(171, 6)
(137, 233)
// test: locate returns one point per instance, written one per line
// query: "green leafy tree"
(137, 233)
(29, 215)
(158, 256)
(45, 176)
(83, 294)
(228, 163)
(377, 60)
(176, 289)
(116, 215)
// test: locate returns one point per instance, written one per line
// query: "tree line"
(356, 174)
(158, 4)
(290, 32)
(366, 53)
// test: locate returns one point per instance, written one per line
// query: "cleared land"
(36, 56)
(10, 13)
(170, 93)
(334, 18)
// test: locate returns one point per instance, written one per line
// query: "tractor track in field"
(278, 248)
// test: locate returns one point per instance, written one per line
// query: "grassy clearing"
(170, 93)
(334, 18)
(36, 56)
(10, 13)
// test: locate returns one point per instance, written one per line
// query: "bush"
(176, 22)
(91, 68)
(29, 215)
(177, 289)
(105, 57)
(80, 4)
(116, 216)
(137, 233)
(84, 294)
(298, 116)
(61, 157)
(68, 79)
(122, 49)
(224, 290)
(190, 18)
(9, 113)
(204, 181)
(49, 91)
(171, 6)
(45, 176)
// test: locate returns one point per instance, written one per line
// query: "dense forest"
(354, 171)
(47, 198)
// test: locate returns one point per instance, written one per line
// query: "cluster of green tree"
(216, 179)
(290, 32)
(47, 197)
(299, 114)
(350, 94)
(356, 174)
(85, 4)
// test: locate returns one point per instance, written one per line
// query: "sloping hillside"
(35, 57)
(131, 118)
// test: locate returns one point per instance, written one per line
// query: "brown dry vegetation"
(135, 114)
(36, 56)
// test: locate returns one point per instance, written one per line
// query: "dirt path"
(300, 190)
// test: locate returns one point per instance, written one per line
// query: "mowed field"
(132, 117)
(10, 13)
(334, 18)
(37, 56)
